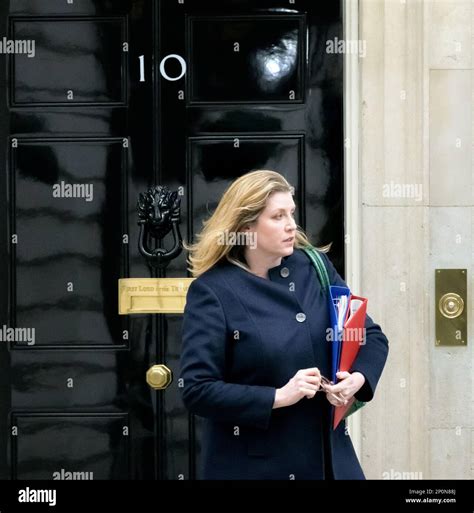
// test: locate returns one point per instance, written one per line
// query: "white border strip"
(352, 206)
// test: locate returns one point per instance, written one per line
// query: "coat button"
(285, 272)
(300, 317)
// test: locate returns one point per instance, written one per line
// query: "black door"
(260, 92)
(77, 146)
(117, 97)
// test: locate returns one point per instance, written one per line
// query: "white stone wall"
(416, 118)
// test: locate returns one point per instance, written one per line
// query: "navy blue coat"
(242, 338)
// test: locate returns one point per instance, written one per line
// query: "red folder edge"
(349, 351)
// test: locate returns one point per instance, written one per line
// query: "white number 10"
(162, 67)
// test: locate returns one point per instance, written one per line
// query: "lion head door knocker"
(159, 213)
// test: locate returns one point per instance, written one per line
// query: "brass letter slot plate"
(153, 295)
(451, 307)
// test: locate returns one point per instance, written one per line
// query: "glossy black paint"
(260, 58)
(68, 259)
(77, 60)
(77, 114)
(78, 397)
(259, 107)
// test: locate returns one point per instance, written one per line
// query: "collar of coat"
(284, 270)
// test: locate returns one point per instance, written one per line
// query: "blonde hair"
(240, 205)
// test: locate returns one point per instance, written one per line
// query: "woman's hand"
(305, 383)
(339, 394)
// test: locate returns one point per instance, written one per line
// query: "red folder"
(352, 338)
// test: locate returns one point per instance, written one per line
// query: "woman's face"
(275, 226)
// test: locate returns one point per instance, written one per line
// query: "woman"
(254, 344)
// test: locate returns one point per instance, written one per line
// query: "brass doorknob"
(159, 376)
(451, 305)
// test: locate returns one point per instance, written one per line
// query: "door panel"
(65, 196)
(210, 167)
(74, 61)
(260, 58)
(104, 456)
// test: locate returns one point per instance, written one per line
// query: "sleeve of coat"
(202, 364)
(372, 355)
